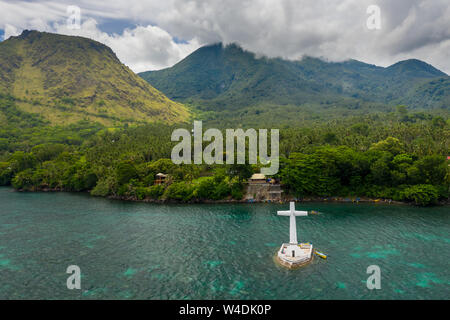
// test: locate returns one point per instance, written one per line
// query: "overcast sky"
(154, 34)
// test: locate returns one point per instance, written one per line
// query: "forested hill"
(226, 77)
(398, 155)
(66, 79)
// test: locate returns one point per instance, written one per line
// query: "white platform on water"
(293, 254)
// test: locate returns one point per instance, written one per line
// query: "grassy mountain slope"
(66, 79)
(227, 77)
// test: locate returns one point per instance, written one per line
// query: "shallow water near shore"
(129, 250)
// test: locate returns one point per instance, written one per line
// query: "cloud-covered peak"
(155, 34)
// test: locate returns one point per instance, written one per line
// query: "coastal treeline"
(384, 171)
(397, 156)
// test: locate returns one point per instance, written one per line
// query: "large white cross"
(293, 227)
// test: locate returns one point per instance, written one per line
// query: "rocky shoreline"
(207, 201)
(285, 199)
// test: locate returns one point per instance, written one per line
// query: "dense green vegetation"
(231, 84)
(339, 132)
(399, 156)
(384, 171)
(21, 131)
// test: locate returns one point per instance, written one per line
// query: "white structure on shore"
(293, 254)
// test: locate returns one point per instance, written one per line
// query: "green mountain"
(66, 79)
(229, 76)
(226, 78)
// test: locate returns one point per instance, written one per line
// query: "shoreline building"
(160, 178)
(257, 178)
(260, 188)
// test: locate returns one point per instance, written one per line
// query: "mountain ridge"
(68, 78)
(218, 76)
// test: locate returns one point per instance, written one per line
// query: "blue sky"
(154, 34)
(116, 25)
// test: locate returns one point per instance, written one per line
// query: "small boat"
(314, 212)
(320, 254)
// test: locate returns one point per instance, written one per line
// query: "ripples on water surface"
(145, 251)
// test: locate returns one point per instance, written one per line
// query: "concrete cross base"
(294, 255)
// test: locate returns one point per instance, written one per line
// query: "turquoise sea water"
(132, 250)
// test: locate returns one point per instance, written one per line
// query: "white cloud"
(287, 28)
(141, 48)
(10, 31)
